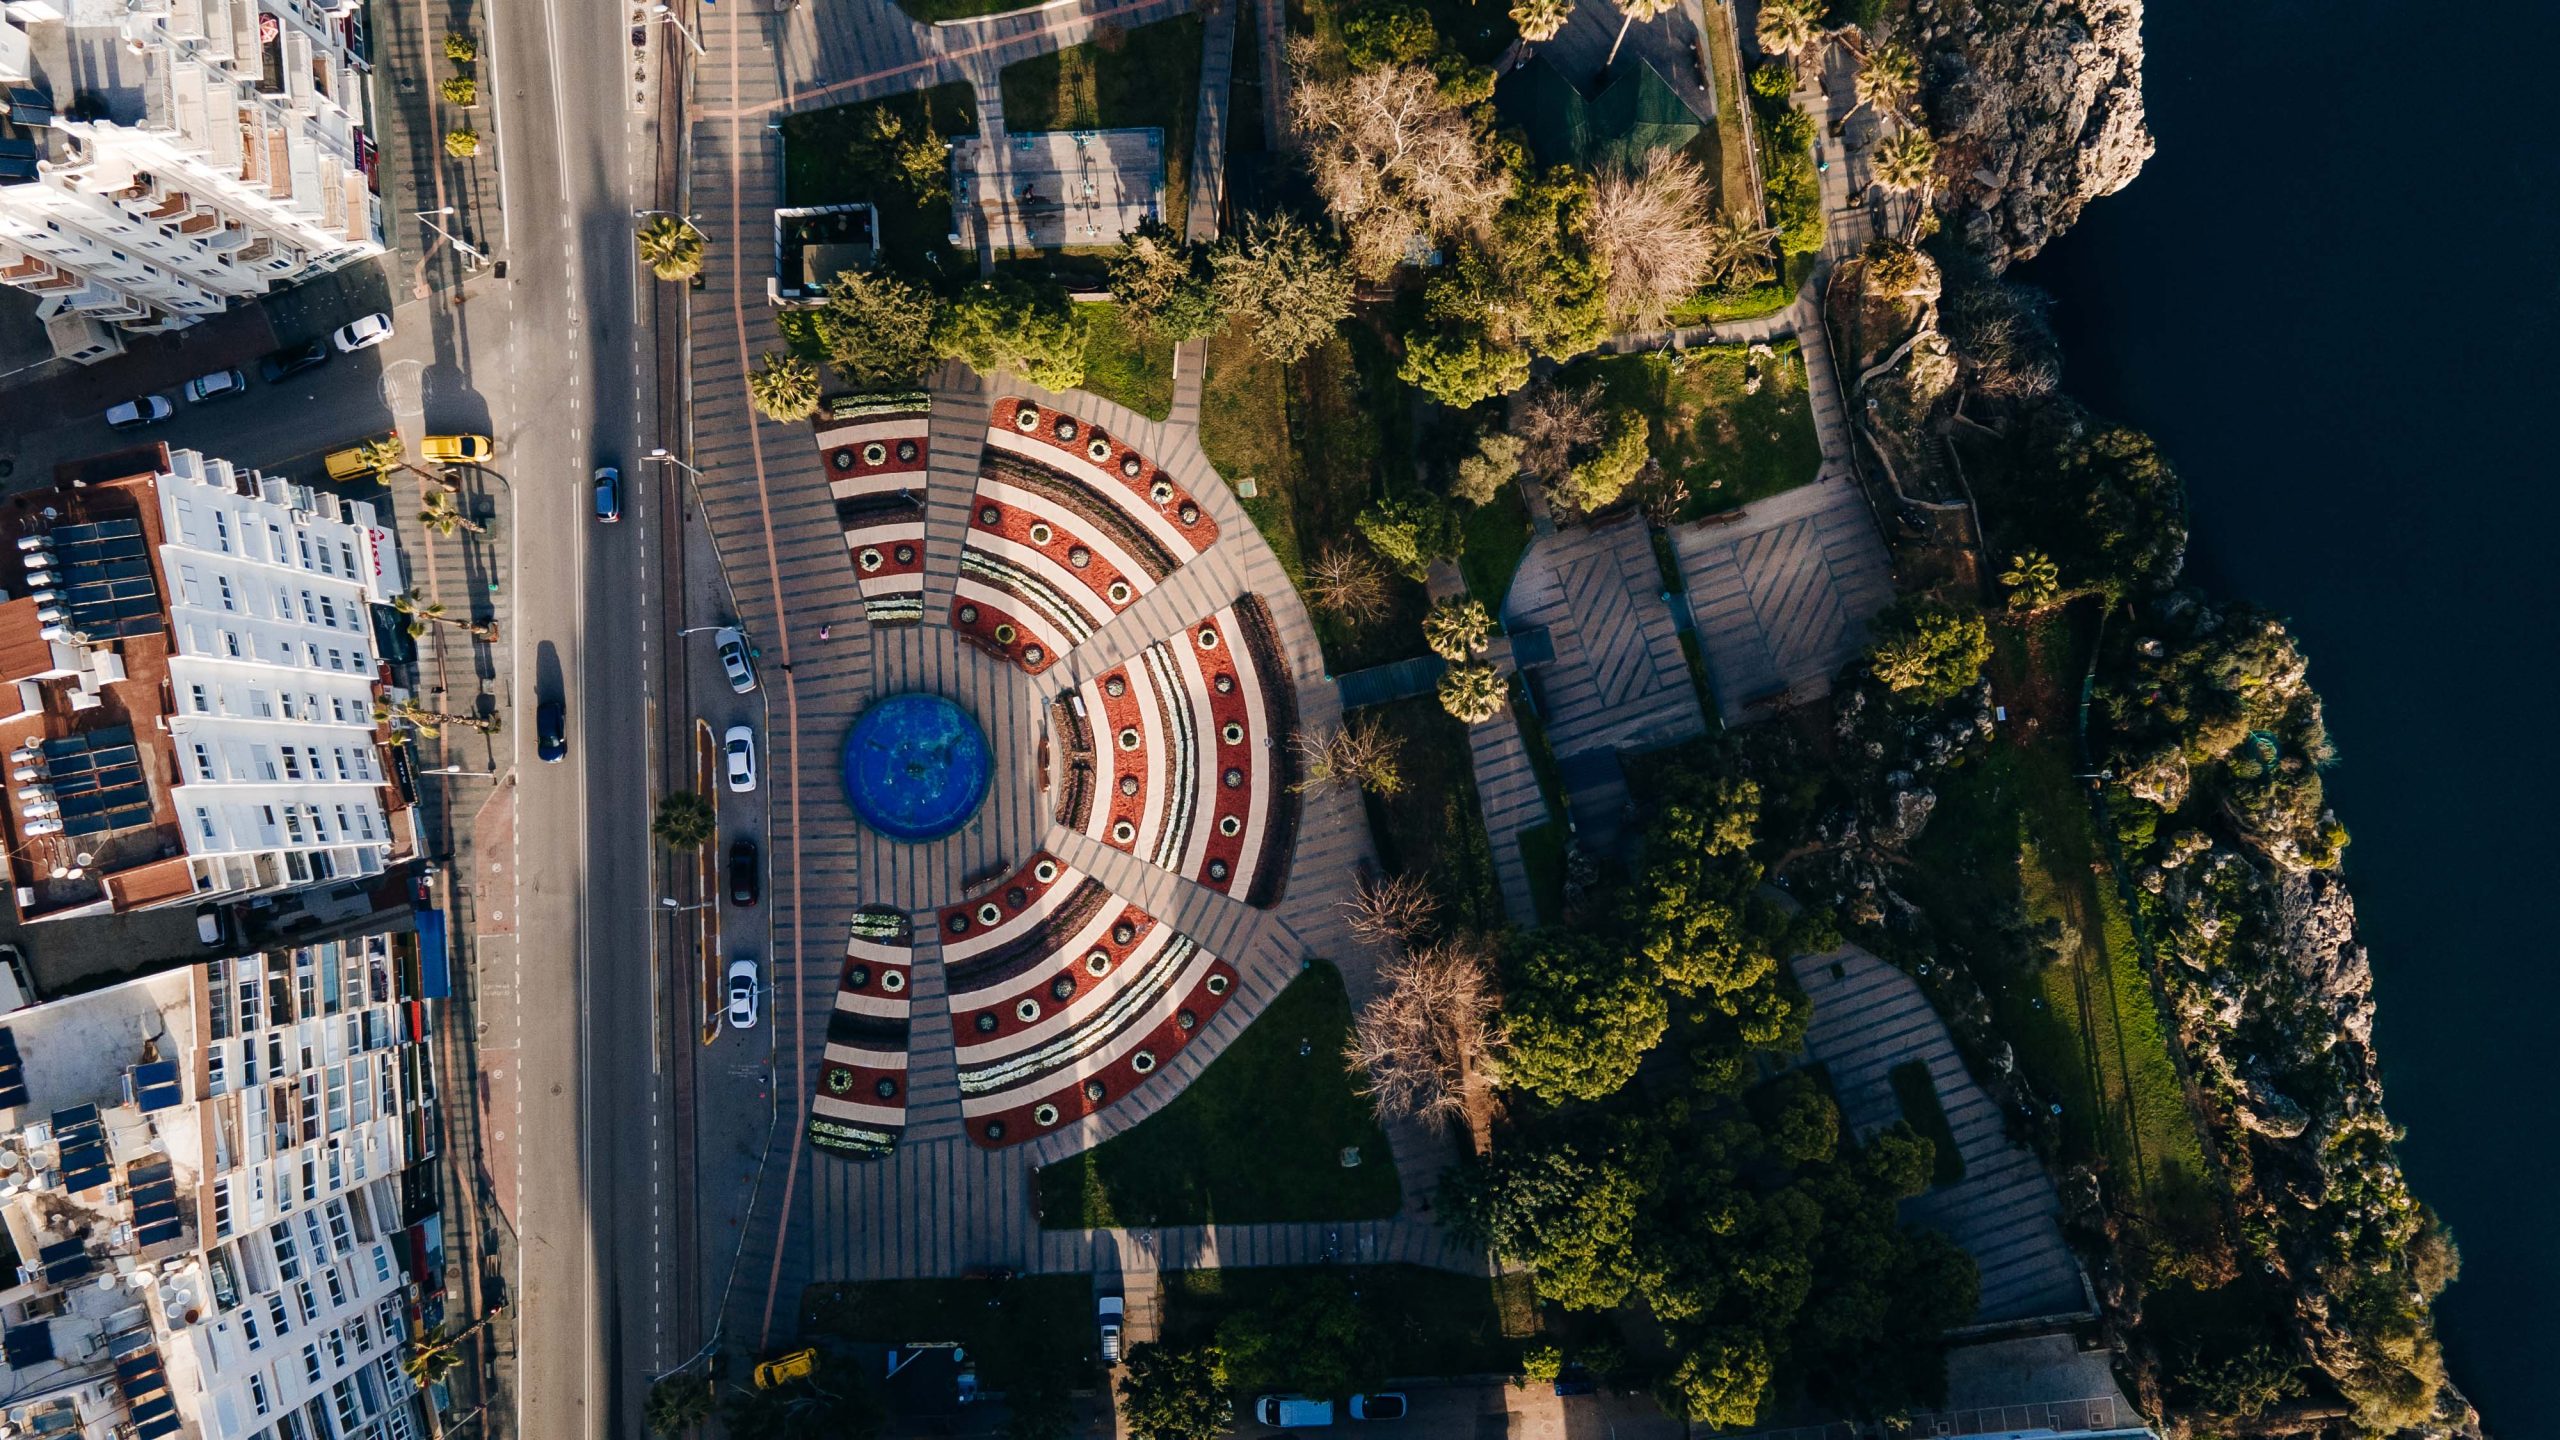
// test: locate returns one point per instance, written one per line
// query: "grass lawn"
(1427, 1322)
(1317, 439)
(1123, 366)
(1121, 79)
(1434, 827)
(829, 158)
(2014, 830)
(930, 11)
(1542, 855)
(1724, 150)
(1918, 1093)
(1258, 1137)
(1731, 445)
(1497, 536)
(1767, 298)
(1028, 1326)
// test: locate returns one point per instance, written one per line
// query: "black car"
(746, 873)
(294, 359)
(551, 730)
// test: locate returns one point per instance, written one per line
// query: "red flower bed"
(1014, 524)
(1177, 504)
(982, 632)
(860, 1084)
(1121, 712)
(1229, 764)
(1004, 1018)
(888, 551)
(1163, 1041)
(1011, 896)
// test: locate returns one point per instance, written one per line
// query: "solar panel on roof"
(73, 1118)
(146, 1393)
(155, 1085)
(109, 591)
(154, 1189)
(27, 1345)
(97, 780)
(65, 1262)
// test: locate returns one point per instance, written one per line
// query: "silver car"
(740, 748)
(735, 661)
(220, 385)
(144, 410)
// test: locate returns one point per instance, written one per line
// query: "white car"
(362, 333)
(734, 660)
(220, 385)
(740, 747)
(1109, 1312)
(147, 410)
(743, 987)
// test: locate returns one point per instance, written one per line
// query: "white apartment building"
(194, 668)
(200, 152)
(273, 672)
(207, 1178)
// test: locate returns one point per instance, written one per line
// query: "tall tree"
(1888, 79)
(784, 387)
(1162, 285)
(1473, 692)
(1458, 628)
(1009, 323)
(1928, 652)
(1789, 27)
(878, 328)
(1909, 161)
(1426, 1037)
(1635, 10)
(1656, 233)
(1540, 20)
(1288, 285)
(670, 247)
(1394, 159)
(1581, 1012)
(1168, 1394)
(685, 821)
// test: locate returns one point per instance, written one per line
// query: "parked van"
(351, 464)
(457, 449)
(1293, 1412)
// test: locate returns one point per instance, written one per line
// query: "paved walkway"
(1619, 680)
(1780, 598)
(1507, 792)
(1869, 1017)
(1208, 183)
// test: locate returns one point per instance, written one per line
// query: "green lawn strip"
(1726, 145)
(1497, 536)
(1434, 826)
(1542, 753)
(1125, 79)
(1699, 680)
(1730, 444)
(1427, 1323)
(1306, 436)
(826, 162)
(1752, 302)
(1123, 366)
(930, 11)
(1918, 1092)
(1018, 1329)
(1257, 1138)
(1542, 854)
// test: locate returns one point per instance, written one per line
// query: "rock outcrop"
(2037, 106)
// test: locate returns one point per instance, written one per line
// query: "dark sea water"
(2332, 296)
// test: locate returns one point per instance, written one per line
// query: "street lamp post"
(477, 256)
(458, 770)
(668, 14)
(668, 903)
(660, 453)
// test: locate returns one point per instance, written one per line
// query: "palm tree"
(1539, 20)
(1473, 692)
(1738, 245)
(1458, 629)
(382, 455)
(2034, 581)
(1888, 79)
(432, 1356)
(439, 514)
(1634, 10)
(671, 247)
(417, 614)
(1789, 27)
(685, 821)
(677, 1404)
(1909, 161)
(785, 389)
(429, 722)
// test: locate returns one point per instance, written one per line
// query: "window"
(258, 1392)
(337, 659)
(285, 698)
(277, 1320)
(221, 521)
(204, 822)
(337, 1348)
(340, 752)
(382, 1271)
(249, 1328)
(309, 615)
(195, 694)
(292, 763)
(337, 1287)
(306, 1301)
(328, 613)
(347, 552)
(259, 707)
(293, 824)
(364, 823)
(303, 541)
(288, 1259)
(231, 643)
(311, 1363)
(229, 601)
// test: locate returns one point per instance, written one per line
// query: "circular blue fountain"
(916, 767)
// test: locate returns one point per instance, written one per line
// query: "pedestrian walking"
(823, 629)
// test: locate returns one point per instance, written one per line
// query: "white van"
(1293, 1412)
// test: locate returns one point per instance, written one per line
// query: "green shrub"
(1390, 35)
(1411, 530)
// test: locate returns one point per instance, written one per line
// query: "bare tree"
(1347, 582)
(1426, 1039)
(1390, 911)
(1363, 753)
(1653, 228)
(1393, 158)
(1553, 423)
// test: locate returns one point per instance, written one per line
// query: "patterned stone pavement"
(1869, 1017)
(1781, 598)
(1619, 680)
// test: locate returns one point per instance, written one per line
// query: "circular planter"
(1118, 591)
(893, 981)
(986, 1022)
(1208, 637)
(1130, 739)
(1098, 963)
(907, 452)
(1230, 826)
(1041, 534)
(1129, 785)
(1224, 684)
(1098, 449)
(1131, 466)
(1026, 417)
(906, 554)
(1045, 871)
(1005, 632)
(988, 914)
(871, 560)
(1066, 427)
(1044, 1113)
(1123, 933)
(1063, 988)
(1143, 1061)
(990, 516)
(1161, 492)
(1115, 687)
(1026, 1009)
(1094, 1092)
(1215, 984)
(993, 1130)
(842, 459)
(1217, 869)
(1079, 557)
(875, 453)
(856, 976)
(1232, 733)
(1124, 832)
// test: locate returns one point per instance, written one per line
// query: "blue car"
(551, 730)
(608, 494)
